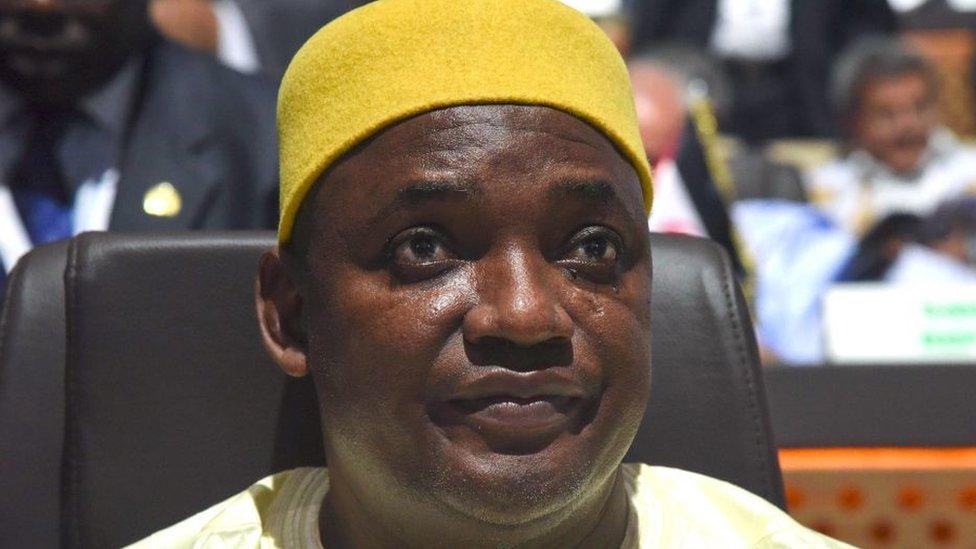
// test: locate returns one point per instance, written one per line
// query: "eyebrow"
(596, 191)
(419, 193)
(598, 194)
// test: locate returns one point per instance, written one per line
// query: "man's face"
(53, 51)
(475, 312)
(895, 118)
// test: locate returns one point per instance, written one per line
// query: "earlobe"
(279, 310)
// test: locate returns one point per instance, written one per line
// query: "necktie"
(37, 180)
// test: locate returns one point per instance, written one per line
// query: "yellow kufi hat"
(393, 59)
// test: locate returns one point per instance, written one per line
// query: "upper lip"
(502, 382)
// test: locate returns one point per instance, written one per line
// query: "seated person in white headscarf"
(900, 159)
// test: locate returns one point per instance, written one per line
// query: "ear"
(279, 308)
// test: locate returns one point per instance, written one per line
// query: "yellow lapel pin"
(162, 200)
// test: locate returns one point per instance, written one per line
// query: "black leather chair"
(172, 406)
(32, 346)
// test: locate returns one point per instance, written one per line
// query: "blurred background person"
(678, 129)
(248, 35)
(801, 254)
(951, 231)
(906, 249)
(944, 31)
(104, 125)
(777, 52)
(659, 97)
(880, 248)
(900, 159)
(798, 254)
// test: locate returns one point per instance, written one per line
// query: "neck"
(347, 521)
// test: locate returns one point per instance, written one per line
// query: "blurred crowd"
(821, 142)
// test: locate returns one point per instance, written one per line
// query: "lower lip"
(513, 424)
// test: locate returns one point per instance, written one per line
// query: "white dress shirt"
(673, 211)
(235, 43)
(752, 30)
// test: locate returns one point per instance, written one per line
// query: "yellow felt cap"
(393, 59)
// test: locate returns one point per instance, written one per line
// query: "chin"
(515, 491)
(906, 162)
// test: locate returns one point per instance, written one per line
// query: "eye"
(595, 245)
(420, 249)
(594, 253)
(598, 248)
(418, 254)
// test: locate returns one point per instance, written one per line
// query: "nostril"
(497, 351)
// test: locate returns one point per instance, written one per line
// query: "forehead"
(484, 122)
(896, 85)
(491, 149)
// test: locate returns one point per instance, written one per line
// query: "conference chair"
(172, 406)
(32, 352)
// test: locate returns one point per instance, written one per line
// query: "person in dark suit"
(105, 125)
(777, 52)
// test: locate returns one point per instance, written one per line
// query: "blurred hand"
(190, 22)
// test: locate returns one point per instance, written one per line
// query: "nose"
(516, 303)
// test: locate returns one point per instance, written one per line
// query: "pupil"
(423, 247)
(595, 248)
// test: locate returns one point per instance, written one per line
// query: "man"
(777, 52)
(677, 126)
(659, 98)
(464, 270)
(103, 125)
(901, 160)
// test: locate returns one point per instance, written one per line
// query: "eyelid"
(590, 231)
(399, 238)
(429, 231)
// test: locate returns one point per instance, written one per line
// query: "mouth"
(911, 144)
(43, 36)
(515, 414)
(511, 412)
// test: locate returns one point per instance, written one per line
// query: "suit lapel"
(166, 181)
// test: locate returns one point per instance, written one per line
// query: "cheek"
(613, 335)
(371, 346)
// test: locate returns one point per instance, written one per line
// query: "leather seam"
(70, 483)
(15, 275)
(727, 289)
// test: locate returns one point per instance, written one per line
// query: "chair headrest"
(173, 405)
